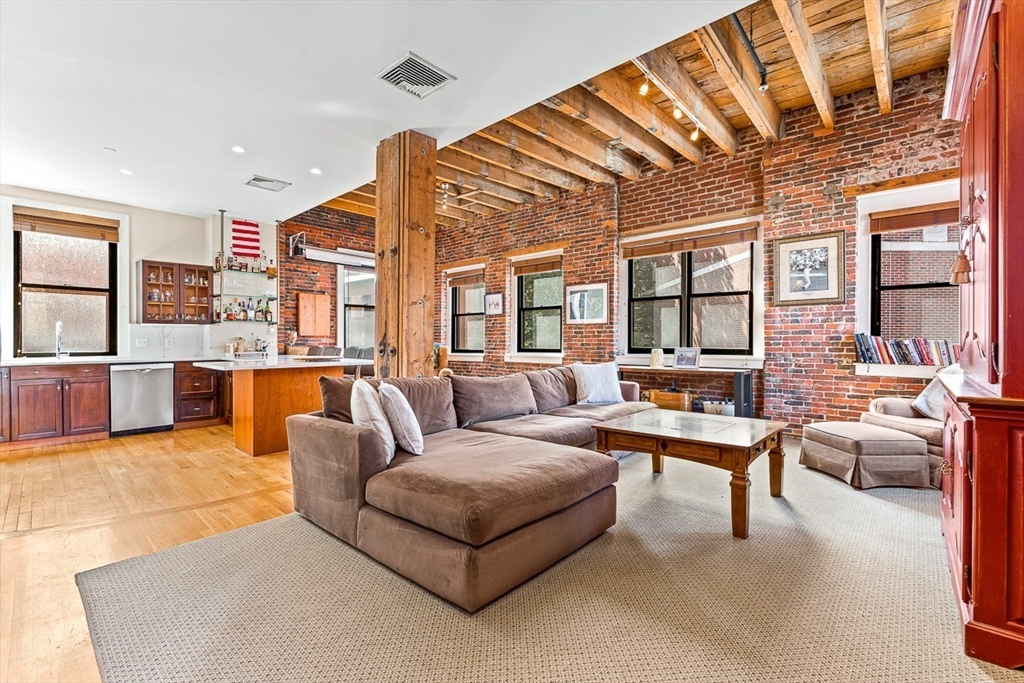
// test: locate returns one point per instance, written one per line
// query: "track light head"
(644, 88)
(677, 112)
(764, 84)
(695, 134)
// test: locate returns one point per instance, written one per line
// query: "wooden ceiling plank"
(456, 202)
(725, 49)
(878, 36)
(367, 190)
(456, 213)
(462, 162)
(672, 79)
(615, 91)
(500, 155)
(496, 191)
(513, 137)
(582, 105)
(556, 129)
(360, 199)
(798, 31)
(350, 207)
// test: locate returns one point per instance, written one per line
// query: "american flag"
(245, 238)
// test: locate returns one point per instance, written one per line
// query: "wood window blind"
(541, 264)
(30, 219)
(692, 241)
(465, 278)
(916, 217)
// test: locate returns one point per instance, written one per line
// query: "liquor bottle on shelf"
(259, 310)
(250, 311)
(229, 313)
(268, 315)
(271, 270)
(263, 261)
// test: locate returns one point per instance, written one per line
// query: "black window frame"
(345, 305)
(686, 298)
(877, 287)
(110, 290)
(520, 308)
(456, 347)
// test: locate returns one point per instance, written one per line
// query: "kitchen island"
(265, 392)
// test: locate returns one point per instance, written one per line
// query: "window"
(911, 296)
(700, 298)
(467, 330)
(65, 270)
(358, 294)
(539, 304)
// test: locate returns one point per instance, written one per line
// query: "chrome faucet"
(59, 340)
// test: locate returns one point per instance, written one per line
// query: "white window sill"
(544, 358)
(639, 360)
(467, 357)
(884, 370)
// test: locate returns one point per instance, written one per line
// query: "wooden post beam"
(878, 37)
(615, 91)
(459, 161)
(661, 67)
(406, 173)
(558, 130)
(500, 155)
(513, 137)
(724, 48)
(798, 31)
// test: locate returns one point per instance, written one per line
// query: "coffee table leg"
(740, 484)
(658, 462)
(776, 459)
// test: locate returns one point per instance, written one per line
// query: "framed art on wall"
(493, 304)
(810, 269)
(586, 304)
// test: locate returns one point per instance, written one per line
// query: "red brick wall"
(809, 372)
(587, 221)
(328, 229)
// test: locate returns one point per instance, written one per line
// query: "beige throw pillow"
(368, 412)
(404, 424)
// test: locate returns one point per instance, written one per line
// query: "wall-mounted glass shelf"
(246, 296)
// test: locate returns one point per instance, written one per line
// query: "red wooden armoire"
(983, 483)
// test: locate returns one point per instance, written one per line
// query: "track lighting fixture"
(644, 88)
(764, 83)
(695, 134)
(677, 112)
(444, 194)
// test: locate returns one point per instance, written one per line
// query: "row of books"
(905, 351)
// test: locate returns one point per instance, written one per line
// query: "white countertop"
(283, 363)
(105, 360)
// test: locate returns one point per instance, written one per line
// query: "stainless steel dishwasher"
(141, 398)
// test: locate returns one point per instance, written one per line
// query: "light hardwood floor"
(65, 509)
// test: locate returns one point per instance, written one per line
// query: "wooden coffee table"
(730, 443)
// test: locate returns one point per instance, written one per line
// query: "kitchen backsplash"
(170, 341)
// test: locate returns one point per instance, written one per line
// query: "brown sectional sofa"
(502, 492)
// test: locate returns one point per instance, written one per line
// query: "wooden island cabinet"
(983, 468)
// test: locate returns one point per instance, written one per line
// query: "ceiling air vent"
(267, 183)
(416, 76)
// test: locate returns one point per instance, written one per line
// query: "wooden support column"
(406, 169)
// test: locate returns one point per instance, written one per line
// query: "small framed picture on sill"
(586, 304)
(686, 357)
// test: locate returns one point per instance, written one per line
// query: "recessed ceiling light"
(315, 171)
(238, 149)
(127, 171)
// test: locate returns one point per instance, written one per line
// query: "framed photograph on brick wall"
(586, 304)
(810, 269)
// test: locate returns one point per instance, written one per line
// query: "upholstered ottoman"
(865, 455)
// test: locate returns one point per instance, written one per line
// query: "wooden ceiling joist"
(513, 137)
(360, 199)
(556, 129)
(724, 48)
(466, 205)
(878, 37)
(444, 220)
(367, 190)
(615, 91)
(578, 103)
(489, 190)
(351, 207)
(455, 212)
(474, 166)
(513, 160)
(661, 67)
(798, 31)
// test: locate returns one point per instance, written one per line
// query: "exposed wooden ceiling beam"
(459, 161)
(878, 36)
(661, 67)
(615, 91)
(481, 197)
(360, 199)
(351, 207)
(491, 189)
(500, 155)
(466, 205)
(513, 137)
(580, 104)
(455, 212)
(798, 31)
(556, 129)
(724, 48)
(444, 220)
(367, 190)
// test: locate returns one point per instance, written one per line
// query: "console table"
(742, 382)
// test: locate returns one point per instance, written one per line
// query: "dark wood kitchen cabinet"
(174, 293)
(59, 401)
(196, 395)
(5, 404)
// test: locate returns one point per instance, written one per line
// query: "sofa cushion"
(924, 427)
(552, 387)
(336, 394)
(568, 431)
(367, 411)
(597, 384)
(602, 413)
(404, 424)
(475, 486)
(864, 439)
(430, 399)
(479, 399)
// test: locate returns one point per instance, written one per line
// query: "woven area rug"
(833, 584)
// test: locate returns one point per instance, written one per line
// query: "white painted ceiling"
(173, 85)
